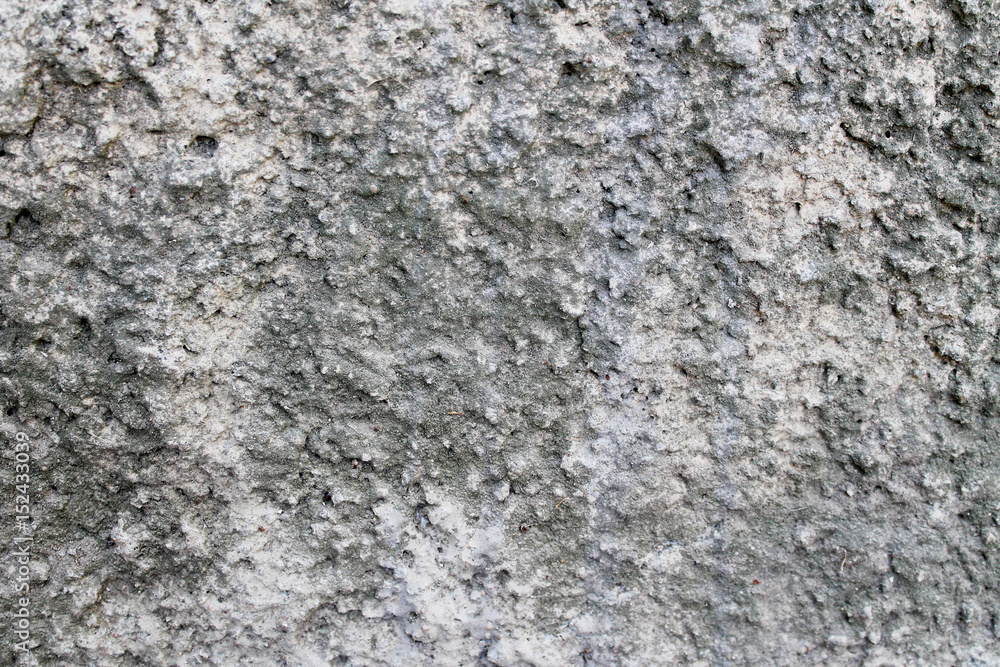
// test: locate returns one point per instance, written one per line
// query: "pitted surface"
(523, 333)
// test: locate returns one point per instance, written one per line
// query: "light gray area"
(533, 332)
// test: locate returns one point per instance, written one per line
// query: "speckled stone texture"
(533, 332)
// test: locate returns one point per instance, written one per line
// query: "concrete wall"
(533, 332)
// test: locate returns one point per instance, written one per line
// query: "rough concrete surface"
(531, 332)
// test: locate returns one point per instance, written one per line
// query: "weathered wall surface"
(528, 332)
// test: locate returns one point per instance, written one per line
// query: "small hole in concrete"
(205, 145)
